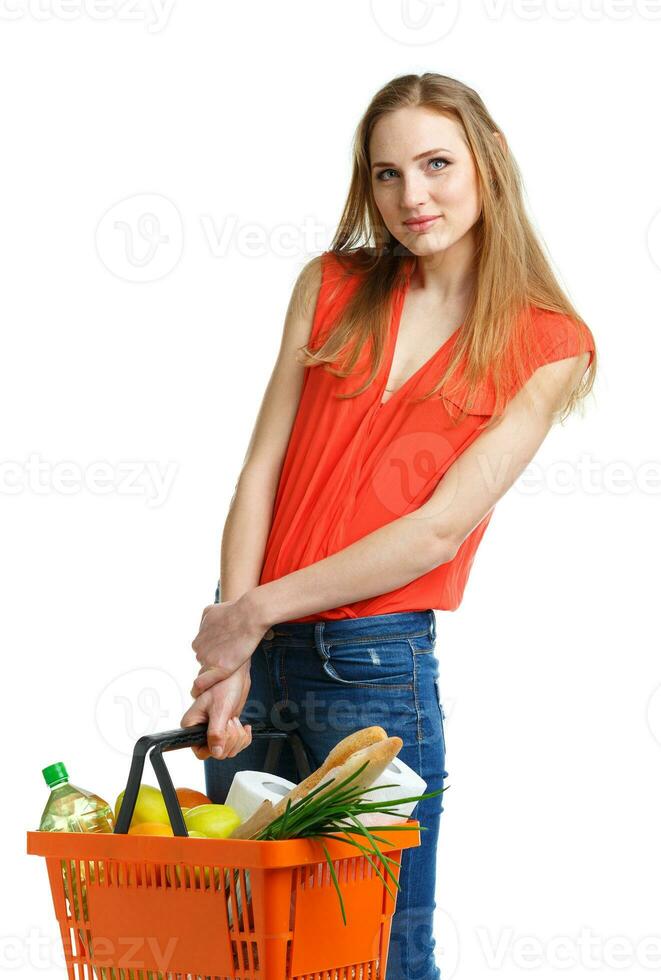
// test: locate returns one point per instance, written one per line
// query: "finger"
(206, 679)
(233, 737)
(239, 737)
(247, 738)
(204, 612)
(243, 741)
(217, 729)
(196, 714)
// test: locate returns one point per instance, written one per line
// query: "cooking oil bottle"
(72, 809)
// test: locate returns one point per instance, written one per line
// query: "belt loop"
(432, 624)
(319, 635)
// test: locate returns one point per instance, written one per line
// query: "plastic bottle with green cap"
(72, 809)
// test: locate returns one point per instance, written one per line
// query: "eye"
(391, 170)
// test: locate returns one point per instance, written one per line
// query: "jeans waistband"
(388, 625)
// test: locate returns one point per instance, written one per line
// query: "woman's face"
(421, 166)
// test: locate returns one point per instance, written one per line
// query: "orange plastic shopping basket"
(179, 908)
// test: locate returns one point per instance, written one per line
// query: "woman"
(438, 350)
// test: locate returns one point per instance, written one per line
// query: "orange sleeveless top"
(353, 465)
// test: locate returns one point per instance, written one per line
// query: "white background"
(232, 124)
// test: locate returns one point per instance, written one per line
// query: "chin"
(427, 244)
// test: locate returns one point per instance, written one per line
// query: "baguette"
(370, 745)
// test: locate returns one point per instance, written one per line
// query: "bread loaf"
(371, 745)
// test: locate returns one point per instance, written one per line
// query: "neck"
(449, 274)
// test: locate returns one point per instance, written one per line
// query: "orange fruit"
(190, 797)
(152, 829)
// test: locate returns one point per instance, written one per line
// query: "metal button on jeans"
(269, 634)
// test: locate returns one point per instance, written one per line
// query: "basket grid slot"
(356, 971)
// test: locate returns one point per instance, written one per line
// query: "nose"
(414, 192)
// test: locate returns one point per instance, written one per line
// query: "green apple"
(149, 807)
(212, 819)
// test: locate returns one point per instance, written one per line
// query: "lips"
(421, 223)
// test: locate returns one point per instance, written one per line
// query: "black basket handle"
(180, 738)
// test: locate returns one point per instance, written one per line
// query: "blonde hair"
(512, 271)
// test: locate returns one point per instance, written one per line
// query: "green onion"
(335, 813)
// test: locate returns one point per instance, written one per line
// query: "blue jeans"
(327, 678)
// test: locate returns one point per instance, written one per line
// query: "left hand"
(229, 634)
(220, 707)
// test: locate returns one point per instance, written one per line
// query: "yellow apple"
(212, 819)
(149, 807)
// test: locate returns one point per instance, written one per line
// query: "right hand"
(219, 706)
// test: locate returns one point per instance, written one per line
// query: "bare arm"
(412, 545)
(249, 516)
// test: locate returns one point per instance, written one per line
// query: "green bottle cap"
(56, 773)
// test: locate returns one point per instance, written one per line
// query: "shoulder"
(304, 296)
(327, 270)
(552, 351)
(556, 335)
(349, 266)
(340, 274)
(321, 289)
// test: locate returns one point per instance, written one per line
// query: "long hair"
(513, 274)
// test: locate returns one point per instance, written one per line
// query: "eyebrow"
(438, 149)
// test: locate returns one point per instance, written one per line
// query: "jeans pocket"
(386, 664)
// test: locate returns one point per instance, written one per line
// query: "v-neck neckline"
(393, 336)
